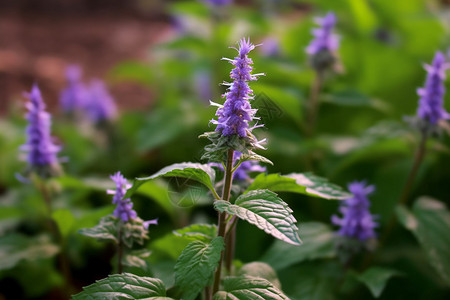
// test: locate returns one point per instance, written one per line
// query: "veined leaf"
(194, 171)
(429, 221)
(261, 270)
(195, 266)
(253, 156)
(376, 279)
(105, 230)
(15, 248)
(307, 184)
(198, 232)
(267, 211)
(317, 243)
(124, 286)
(248, 288)
(136, 258)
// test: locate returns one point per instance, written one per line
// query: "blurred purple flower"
(270, 47)
(218, 2)
(234, 115)
(432, 94)
(203, 85)
(99, 105)
(324, 38)
(73, 96)
(39, 145)
(356, 221)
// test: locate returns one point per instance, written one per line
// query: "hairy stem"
(313, 104)
(223, 216)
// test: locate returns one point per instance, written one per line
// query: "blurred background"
(160, 63)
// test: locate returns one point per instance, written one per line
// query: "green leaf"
(159, 194)
(136, 258)
(306, 184)
(169, 245)
(124, 286)
(195, 266)
(15, 248)
(194, 171)
(248, 288)
(318, 186)
(261, 270)
(267, 211)
(198, 232)
(65, 220)
(429, 221)
(255, 157)
(318, 242)
(105, 230)
(376, 279)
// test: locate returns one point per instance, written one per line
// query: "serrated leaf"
(261, 270)
(194, 171)
(306, 184)
(318, 242)
(198, 232)
(124, 286)
(429, 221)
(248, 288)
(254, 157)
(267, 211)
(15, 248)
(376, 279)
(195, 266)
(105, 230)
(136, 258)
(318, 186)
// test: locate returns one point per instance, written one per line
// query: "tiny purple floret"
(324, 38)
(124, 209)
(357, 222)
(39, 145)
(432, 94)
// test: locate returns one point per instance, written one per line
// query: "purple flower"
(73, 97)
(270, 47)
(244, 168)
(39, 146)
(324, 38)
(356, 221)
(432, 94)
(124, 209)
(234, 115)
(99, 105)
(218, 2)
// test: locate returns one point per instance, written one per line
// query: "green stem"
(313, 104)
(120, 250)
(223, 216)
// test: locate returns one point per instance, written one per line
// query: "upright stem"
(223, 216)
(120, 250)
(229, 251)
(313, 105)
(420, 154)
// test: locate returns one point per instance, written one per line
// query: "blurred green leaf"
(133, 71)
(376, 279)
(198, 232)
(248, 288)
(159, 194)
(429, 221)
(195, 266)
(136, 258)
(318, 242)
(169, 246)
(124, 286)
(261, 270)
(65, 221)
(15, 248)
(265, 210)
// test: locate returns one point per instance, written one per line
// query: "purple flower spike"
(432, 94)
(124, 209)
(99, 106)
(356, 221)
(218, 2)
(39, 146)
(74, 95)
(234, 115)
(324, 38)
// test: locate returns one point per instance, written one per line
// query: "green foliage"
(318, 242)
(267, 211)
(124, 286)
(17, 248)
(376, 279)
(429, 221)
(248, 288)
(261, 270)
(198, 232)
(196, 265)
(194, 171)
